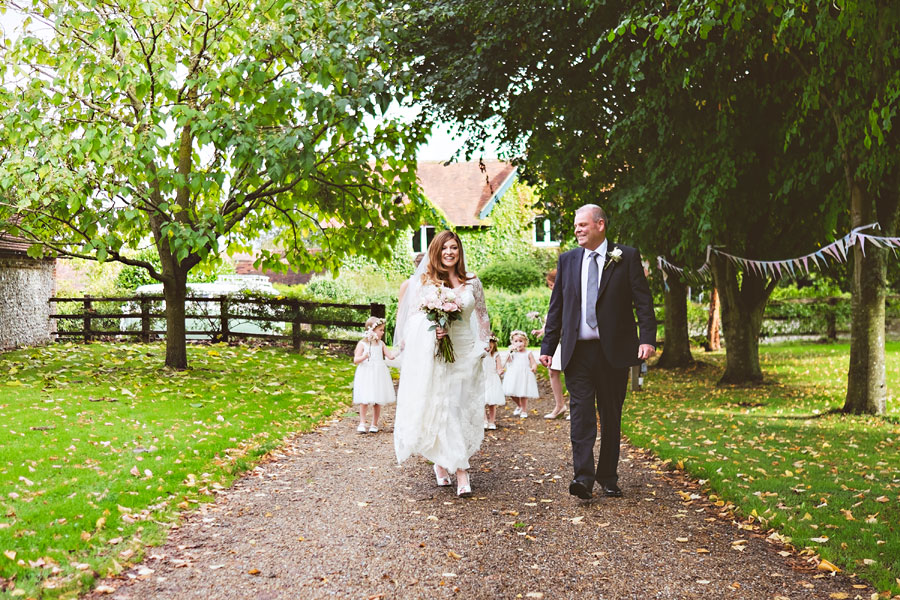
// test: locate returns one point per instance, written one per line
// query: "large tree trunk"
(677, 349)
(743, 304)
(866, 386)
(175, 291)
(713, 342)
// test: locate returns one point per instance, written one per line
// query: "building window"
(422, 238)
(544, 232)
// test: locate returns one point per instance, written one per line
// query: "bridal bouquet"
(441, 308)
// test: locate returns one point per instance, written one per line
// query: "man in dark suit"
(600, 287)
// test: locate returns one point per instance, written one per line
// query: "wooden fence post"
(145, 320)
(86, 319)
(831, 319)
(223, 318)
(377, 310)
(295, 325)
(636, 378)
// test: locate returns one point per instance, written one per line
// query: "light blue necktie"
(593, 283)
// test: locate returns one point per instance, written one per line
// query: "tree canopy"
(194, 125)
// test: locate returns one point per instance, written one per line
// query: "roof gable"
(462, 191)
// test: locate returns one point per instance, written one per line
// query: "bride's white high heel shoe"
(442, 480)
(463, 490)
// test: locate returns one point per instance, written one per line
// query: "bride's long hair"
(436, 270)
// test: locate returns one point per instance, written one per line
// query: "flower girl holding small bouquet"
(372, 385)
(493, 387)
(519, 382)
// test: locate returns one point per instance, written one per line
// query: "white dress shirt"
(586, 332)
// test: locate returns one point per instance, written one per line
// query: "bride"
(440, 405)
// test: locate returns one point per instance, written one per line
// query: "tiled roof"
(462, 190)
(10, 243)
(243, 265)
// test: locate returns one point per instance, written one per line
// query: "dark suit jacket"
(623, 294)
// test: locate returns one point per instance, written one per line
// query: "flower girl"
(372, 385)
(519, 381)
(493, 387)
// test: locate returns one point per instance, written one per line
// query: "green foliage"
(201, 140)
(106, 407)
(131, 277)
(348, 288)
(815, 285)
(512, 276)
(510, 236)
(780, 456)
(510, 311)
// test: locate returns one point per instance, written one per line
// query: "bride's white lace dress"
(440, 405)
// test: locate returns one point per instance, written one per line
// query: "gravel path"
(331, 515)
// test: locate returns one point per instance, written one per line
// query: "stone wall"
(26, 285)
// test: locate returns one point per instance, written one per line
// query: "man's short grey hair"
(596, 213)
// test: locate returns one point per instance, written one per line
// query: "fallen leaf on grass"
(819, 540)
(824, 565)
(10, 554)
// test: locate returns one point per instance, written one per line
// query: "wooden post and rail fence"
(141, 313)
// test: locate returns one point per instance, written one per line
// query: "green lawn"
(100, 446)
(829, 482)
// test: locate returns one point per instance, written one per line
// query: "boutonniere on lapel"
(613, 256)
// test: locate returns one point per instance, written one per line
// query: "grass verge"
(102, 447)
(782, 455)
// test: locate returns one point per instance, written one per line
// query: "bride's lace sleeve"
(482, 321)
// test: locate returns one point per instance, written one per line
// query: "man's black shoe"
(611, 490)
(576, 488)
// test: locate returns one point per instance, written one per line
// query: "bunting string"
(835, 252)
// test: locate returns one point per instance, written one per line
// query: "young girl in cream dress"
(519, 381)
(372, 385)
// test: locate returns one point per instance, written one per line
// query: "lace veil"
(409, 303)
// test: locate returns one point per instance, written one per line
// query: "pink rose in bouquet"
(441, 308)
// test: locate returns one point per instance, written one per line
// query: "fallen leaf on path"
(577, 519)
(104, 589)
(253, 571)
(682, 539)
(453, 555)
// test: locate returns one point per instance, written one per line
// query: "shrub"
(131, 277)
(512, 276)
(509, 311)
